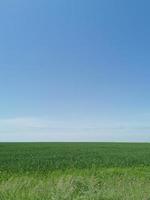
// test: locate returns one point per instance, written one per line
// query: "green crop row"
(44, 157)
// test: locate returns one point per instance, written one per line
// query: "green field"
(87, 171)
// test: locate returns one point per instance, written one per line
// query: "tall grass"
(104, 184)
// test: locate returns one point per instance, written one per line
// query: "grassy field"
(74, 171)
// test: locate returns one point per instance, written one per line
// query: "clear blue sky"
(74, 70)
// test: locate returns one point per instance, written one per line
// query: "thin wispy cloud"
(45, 123)
(45, 129)
(28, 122)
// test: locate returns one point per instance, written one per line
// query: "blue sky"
(74, 70)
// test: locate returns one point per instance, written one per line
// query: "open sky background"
(75, 70)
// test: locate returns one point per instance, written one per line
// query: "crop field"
(74, 171)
